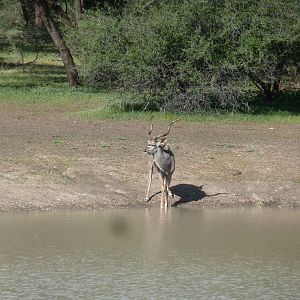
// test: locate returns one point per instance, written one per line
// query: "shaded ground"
(50, 160)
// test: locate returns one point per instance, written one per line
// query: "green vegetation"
(190, 55)
(225, 61)
(273, 116)
(44, 83)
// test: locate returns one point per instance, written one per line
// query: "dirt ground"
(51, 160)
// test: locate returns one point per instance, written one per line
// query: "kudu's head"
(156, 142)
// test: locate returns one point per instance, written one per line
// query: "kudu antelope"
(162, 159)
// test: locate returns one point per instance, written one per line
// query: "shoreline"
(51, 160)
(86, 207)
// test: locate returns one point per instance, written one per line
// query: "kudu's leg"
(150, 180)
(169, 177)
(162, 198)
(166, 192)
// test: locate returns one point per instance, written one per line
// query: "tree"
(263, 38)
(188, 55)
(28, 11)
(164, 53)
(78, 5)
(43, 12)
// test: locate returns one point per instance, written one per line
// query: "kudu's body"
(163, 161)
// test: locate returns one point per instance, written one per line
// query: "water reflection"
(151, 253)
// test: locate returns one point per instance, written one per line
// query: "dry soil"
(51, 160)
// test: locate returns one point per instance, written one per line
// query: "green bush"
(181, 55)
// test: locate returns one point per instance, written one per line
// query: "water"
(147, 254)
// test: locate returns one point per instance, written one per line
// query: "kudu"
(162, 159)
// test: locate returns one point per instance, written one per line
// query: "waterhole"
(151, 254)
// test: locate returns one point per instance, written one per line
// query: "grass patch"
(57, 141)
(45, 81)
(105, 113)
(286, 109)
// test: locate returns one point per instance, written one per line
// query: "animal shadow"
(189, 193)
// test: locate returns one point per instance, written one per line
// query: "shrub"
(177, 55)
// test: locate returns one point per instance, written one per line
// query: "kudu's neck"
(159, 151)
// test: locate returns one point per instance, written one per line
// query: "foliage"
(44, 83)
(266, 39)
(188, 55)
(15, 33)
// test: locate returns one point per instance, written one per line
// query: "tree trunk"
(28, 11)
(78, 10)
(62, 14)
(269, 90)
(271, 86)
(43, 11)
